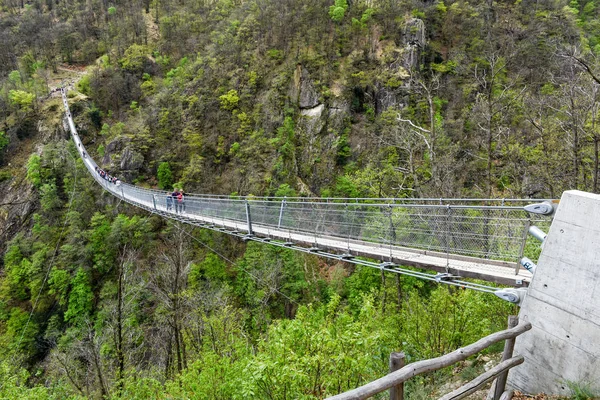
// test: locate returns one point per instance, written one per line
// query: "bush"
(165, 176)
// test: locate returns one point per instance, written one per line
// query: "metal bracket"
(544, 208)
(444, 277)
(515, 296)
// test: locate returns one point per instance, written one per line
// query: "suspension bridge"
(483, 239)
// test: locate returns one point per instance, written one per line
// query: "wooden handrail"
(482, 379)
(433, 364)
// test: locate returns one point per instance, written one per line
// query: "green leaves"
(4, 140)
(22, 99)
(34, 170)
(165, 176)
(230, 100)
(323, 351)
(338, 10)
(80, 298)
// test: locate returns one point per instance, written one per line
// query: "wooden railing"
(396, 378)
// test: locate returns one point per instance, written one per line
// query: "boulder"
(113, 148)
(131, 160)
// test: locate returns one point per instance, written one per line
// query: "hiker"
(180, 201)
(169, 201)
(174, 196)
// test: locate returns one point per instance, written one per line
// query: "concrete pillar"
(563, 303)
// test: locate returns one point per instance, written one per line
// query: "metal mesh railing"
(490, 229)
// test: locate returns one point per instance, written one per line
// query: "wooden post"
(509, 346)
(397, 361)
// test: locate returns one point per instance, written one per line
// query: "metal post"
(522, 249)
(281, 211)
(154, 200)
(248, 218)
(447, 237)
(509, 346)
(397, 361)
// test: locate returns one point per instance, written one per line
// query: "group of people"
(176, 198)
(107, 177)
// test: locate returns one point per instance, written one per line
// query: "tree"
(22, 99)
(165, 176)
(338, 10)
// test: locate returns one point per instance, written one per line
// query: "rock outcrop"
(122, 159)
(303, 92)
(414, 42)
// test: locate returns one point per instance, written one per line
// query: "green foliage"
(95, 116)
(34, 170)
(22, 99)
(5, 175)
(21, 331)
(49, 199)
(83, 85)
(448, 319)
(164, 175)
(343, 150)
(15, 77)
(285, 190)
(230, 100)
(275, 54)
(581, 390)
(4, 140)
(324, 349)
(364, 19)
(135, 58)
(338, 10)
(80, 298)
(285, 142)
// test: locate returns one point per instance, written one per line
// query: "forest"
(321, 98)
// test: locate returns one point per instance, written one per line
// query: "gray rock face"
(131, 160)
(303, 91)
(17, 203)
(338, 112)
(414, 40)
(112, 148)
(121, 155)
(386, 97)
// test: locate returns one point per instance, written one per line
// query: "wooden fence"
(399, 373)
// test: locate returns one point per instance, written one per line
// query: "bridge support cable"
(461, 240)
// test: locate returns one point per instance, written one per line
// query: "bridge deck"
(468, 267)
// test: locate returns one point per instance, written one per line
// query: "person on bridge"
(174, 197)
(169, 201)
(181, 201)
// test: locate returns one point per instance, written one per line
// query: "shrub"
(165, 176)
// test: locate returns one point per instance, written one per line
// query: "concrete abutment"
(563, 304)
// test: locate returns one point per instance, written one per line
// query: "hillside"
(378, 98)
